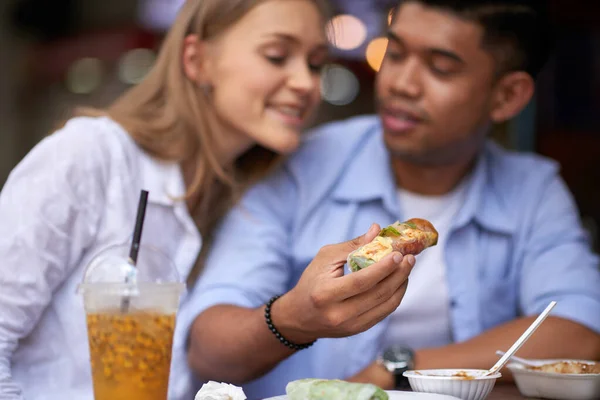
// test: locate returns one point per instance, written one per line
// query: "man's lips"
(398, 124)
(400, 119)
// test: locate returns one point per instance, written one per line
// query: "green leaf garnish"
(389, 231)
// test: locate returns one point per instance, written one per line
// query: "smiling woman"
(231, 89)
(241, 78)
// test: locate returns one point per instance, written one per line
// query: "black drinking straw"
(135, 242)
(139, 225)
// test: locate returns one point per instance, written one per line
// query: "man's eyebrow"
(433, 51)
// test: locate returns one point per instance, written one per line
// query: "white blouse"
(73, 195)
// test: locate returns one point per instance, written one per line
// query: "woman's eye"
(317, 68)
(276, 60)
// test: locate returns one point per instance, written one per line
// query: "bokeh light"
(376, 51)
(346, 32)
(135, 64)
(84, 75)
(339, 85)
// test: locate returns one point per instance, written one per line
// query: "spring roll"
(409, 237)
(322, 389)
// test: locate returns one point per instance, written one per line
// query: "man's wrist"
(284, 318)
(384, 379)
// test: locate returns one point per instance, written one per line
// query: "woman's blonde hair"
(170, 117)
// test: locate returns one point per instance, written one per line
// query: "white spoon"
(517, 345)
(518, 359)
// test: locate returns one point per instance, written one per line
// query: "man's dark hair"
(517, 33)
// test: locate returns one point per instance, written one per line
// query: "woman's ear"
(195, 60)
(511, 94)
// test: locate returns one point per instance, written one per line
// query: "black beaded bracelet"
(279, 336)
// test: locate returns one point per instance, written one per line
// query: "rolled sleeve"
(559, 264)
(249, 260)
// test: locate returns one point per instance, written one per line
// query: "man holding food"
(267, 311)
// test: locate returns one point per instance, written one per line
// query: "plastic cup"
(130, 347)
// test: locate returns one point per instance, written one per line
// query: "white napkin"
(220, 391)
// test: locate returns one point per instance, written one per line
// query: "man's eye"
(442, 69)
(394, 55)
(441, 72)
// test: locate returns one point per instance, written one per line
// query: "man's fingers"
(336, 254)
(381, 291)
(380, 312)
(364, 239)
(364, 280)
(353, 244)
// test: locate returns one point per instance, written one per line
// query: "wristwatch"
(397, 360)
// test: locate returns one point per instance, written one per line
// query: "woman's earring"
(207, 89)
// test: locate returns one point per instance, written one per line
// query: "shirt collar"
(369, 177)
(162, 179)
(485, 202)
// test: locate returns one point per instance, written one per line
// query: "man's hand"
(327, 303)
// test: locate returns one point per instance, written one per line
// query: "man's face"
(434, 88)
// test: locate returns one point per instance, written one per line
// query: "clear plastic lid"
(112, 271)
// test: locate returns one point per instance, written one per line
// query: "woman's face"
(265, 73)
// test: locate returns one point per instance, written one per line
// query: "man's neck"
(429, 180)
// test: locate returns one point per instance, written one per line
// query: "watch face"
(401, 357)
(397, 360)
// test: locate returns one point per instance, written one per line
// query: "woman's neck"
(228, 146)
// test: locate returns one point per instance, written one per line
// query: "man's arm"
(248, 341)
(555, 338)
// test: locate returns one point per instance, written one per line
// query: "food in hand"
(409, 237)
(322, 389)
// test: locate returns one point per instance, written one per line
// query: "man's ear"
(511, 94)
(195, 60)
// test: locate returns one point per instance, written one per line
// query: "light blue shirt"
(515, 245)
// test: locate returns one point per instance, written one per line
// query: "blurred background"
(57, 54)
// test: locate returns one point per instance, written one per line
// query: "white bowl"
(552, 385)
(446, 381)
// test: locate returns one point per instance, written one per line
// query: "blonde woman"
(232, 86)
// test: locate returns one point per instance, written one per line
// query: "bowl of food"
(466, 384)
(558, 379)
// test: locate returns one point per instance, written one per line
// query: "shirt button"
(452, 303)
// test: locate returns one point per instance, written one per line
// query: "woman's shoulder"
(89, 149)
(92, 142)
(85, 135)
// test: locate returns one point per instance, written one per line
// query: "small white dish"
(553, 385)
(399, 395)
(466, 384)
